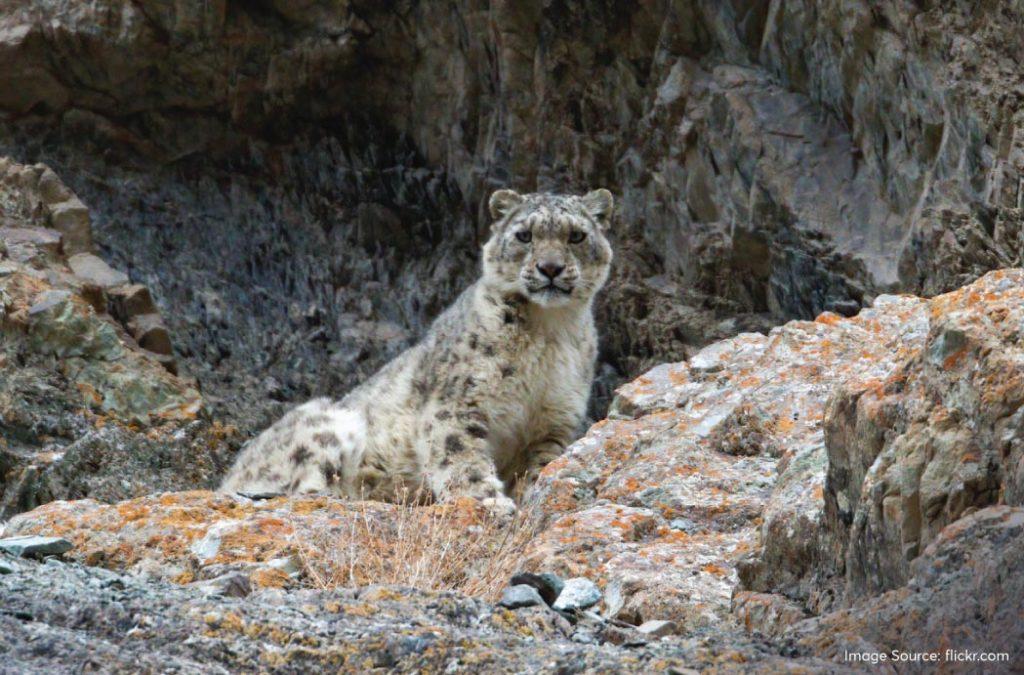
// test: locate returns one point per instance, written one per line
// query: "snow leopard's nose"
(550, 268)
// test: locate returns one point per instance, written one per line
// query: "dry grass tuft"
(440, 547)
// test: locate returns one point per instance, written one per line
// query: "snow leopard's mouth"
(552, 289)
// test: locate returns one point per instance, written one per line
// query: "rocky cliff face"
(318, 171)
(213, 210)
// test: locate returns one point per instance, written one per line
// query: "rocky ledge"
(777, 502)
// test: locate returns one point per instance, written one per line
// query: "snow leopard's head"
(550, 248)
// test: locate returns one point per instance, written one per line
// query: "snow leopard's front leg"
(538, 456)
(460, 460)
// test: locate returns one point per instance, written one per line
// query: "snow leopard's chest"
(545, 387)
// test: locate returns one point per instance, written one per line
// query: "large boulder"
(715, 468)
(940, 437)
(961, 602)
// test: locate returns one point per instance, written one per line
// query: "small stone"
(48, 300)
(39, 238)
(129, 301)
(547, 584)
(230, 585)
(657, 628)
(290, 565)
(584, 637)
(579, 593)
(6, 567)
(93, 270)
(520, 595)
(622, 636)
(151, 333)
(208, 546)
(684, 525)
(71, 219)
(32, 546)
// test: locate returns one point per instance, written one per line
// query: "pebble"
(579, 593)
(547, 584)
(685, 525)
(35, 547)
(657, 628)
(231, 585)
(519, 596)
(622, 636)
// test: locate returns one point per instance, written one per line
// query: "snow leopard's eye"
(524, 236)
(577, 236)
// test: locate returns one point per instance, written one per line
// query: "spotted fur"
(495, 390)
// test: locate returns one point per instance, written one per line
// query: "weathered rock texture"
(65, 617)
(303, 184)
(85, 408)
(281, 196)
(669, 495)
(839, 485)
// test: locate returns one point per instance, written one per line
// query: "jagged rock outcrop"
(963, 595)
(88, 406)
(717, 465)
(940, 437)
(303, 185)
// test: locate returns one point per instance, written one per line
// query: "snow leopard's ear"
(600, 203)
(503, 201)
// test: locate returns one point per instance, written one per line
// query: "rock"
(546, 584)
(6, 566)
(66, 327)
(684, 525)
(71, 219)
(766, 613)
(129, 301)
(93, 270)
(35, 546)
(624, 636)
(520, 595)
(942, 436)
(231, 585)
(720, 443)
(23, 244)
(657, 629)
(118, 621)
(966, 583)
(151, 333)
(578, 594)
(85, 411)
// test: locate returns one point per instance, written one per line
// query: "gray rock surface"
(521, 595)
(84, 409)
(578, 594)
(68, 617)
(34, 546)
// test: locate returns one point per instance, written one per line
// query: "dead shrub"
(456, 546)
